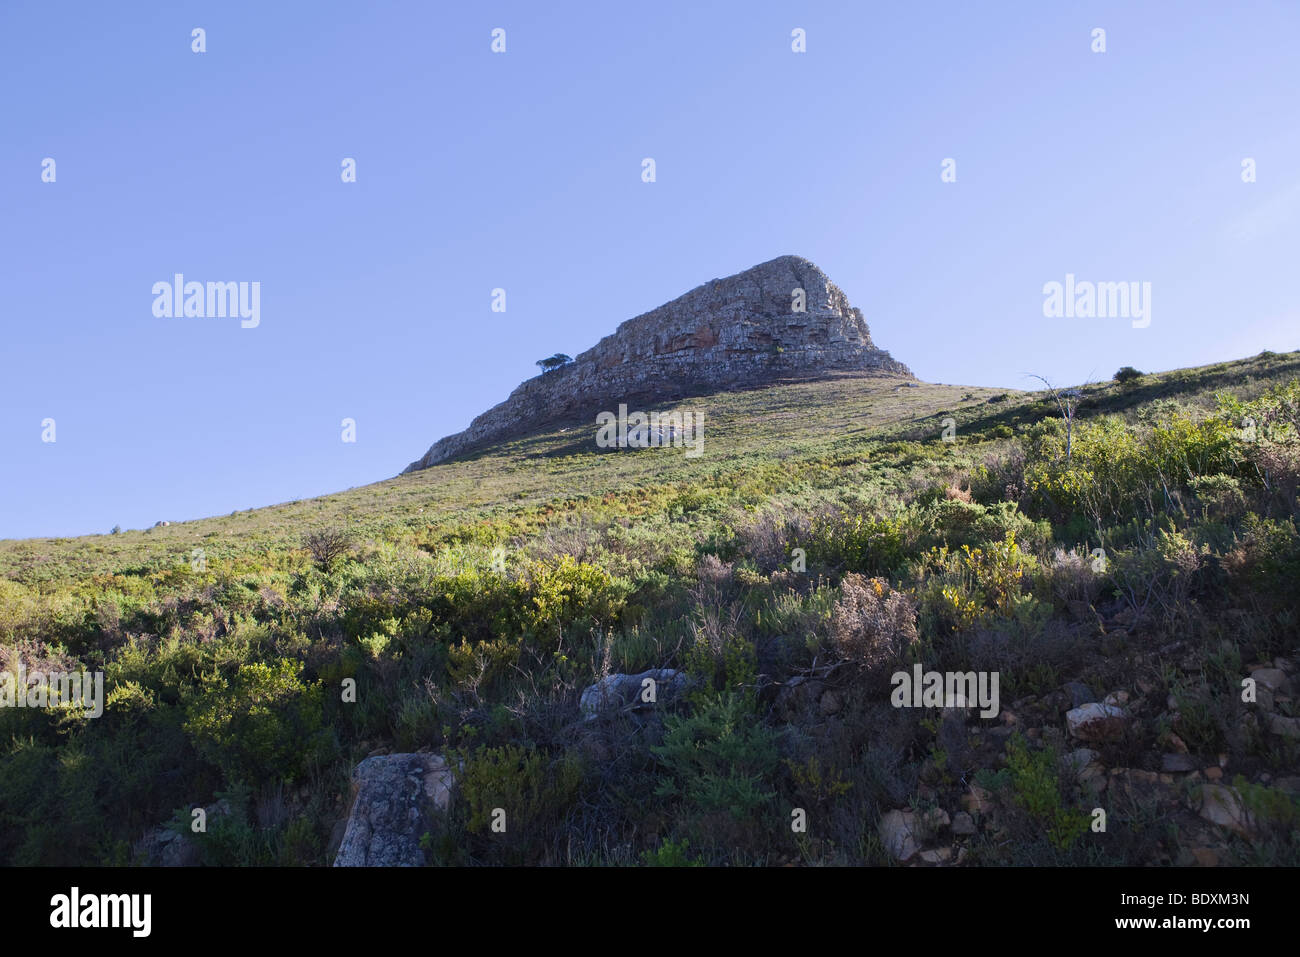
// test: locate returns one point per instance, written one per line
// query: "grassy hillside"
(828, 535)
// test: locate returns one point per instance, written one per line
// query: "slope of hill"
(833, 533)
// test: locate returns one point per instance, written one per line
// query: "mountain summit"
(779, 321)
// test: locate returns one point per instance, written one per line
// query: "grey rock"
(1274, 679)
(1284, 726)
(393, 797)
(1096, 722)
(738, 331)
(164, 847)
(1178, 763)
(1079, 694)
(940, 855)
(617, 691)
(1080, 760)
(1222, 805)
(899, 832)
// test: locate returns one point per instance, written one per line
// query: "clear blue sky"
(522, 170)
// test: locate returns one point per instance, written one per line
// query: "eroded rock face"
(393, 795)
(742, 330)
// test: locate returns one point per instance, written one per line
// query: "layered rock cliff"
(737, 332)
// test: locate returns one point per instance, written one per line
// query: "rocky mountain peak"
(781, 320)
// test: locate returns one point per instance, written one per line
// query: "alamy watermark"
(640, 430)
(1098, 300)
(179, 299)
(54, 689)
(946, 689)
(129, 911)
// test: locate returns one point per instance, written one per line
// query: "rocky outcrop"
(741, 331)
(165, 846)
(394, 794)
(618, 691)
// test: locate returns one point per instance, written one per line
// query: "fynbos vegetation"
(1127, 574)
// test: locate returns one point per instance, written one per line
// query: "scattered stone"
(1079, 759)
(1136, 784)
(1284, 726)
(1087, 769)
(164, 847)
(1223, 805)
(1079, 694)
(1274, 679)
(1116, 699)
(977, 801)
(1178, 763)
(1096, 722)
(1055, 702)
(936, 820)
(963, 824)
(898, 832)
(1213, 773)
(939, 855)
(618, 691)
(392, 797)
(1094, 778)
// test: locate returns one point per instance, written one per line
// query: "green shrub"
(572, 594)
(529, 793)
(720, 758)
(1116, 472)
(263, 722)
(959, 589)
(856, 543)
(669, 854)
(1035, 787)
